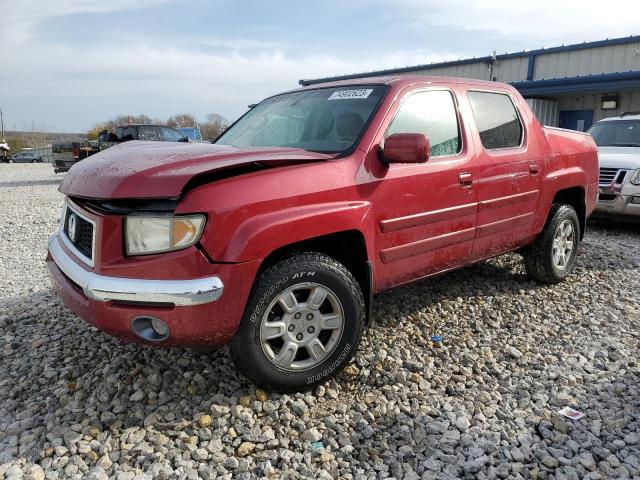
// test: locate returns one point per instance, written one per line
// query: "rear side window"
(497, 120)
(433, 114)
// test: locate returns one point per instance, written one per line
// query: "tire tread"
(537, 261)
(302, 260)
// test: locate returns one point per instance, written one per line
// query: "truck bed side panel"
(572, 162)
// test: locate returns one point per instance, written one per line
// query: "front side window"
(616, 133)
(127, 133)
(329, 120)
(433, 114)
(496, 119)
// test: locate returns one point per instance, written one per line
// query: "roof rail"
(624, 114)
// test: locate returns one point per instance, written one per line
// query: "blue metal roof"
(606, 82)
(524, 53)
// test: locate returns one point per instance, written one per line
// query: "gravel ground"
(75, 403)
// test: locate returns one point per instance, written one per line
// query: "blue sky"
(68, 64)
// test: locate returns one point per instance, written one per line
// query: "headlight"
(144, 235)
(635, 177)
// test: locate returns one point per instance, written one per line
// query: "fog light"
(150, 329)
(159, 327)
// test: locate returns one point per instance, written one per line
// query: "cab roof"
(404, 80)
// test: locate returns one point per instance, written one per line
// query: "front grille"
(83, 237)
(607, 175)
(611, 175)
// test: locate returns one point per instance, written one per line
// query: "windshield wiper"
(620, 145)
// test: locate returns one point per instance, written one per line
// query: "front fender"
(260, 235)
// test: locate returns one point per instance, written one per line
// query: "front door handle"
(466, 180)
(534, 168)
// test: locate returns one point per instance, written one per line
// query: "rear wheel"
(553, 255)
(11, 160)
(302, 324)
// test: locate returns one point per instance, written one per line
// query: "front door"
(425, 213)
(508, 169)
(580, 120)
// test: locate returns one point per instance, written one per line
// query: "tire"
(265, 361)
(34, 161)
(544, 260)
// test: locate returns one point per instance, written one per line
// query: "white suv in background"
(618, 140)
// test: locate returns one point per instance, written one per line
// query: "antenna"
(2, 124)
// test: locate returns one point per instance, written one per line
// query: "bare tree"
(214, 126)
(182, 120)
(210, 129)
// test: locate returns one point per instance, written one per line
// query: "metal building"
(571, 86)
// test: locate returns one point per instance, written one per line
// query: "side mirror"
(406, 148)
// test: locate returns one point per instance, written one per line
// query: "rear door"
(425, 212)
(508, 168)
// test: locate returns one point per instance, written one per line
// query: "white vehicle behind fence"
(618, 140)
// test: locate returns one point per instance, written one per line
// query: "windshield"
(617, 133)
(328, 120)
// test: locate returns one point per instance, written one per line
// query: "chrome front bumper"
(104, 288)
(619, 205)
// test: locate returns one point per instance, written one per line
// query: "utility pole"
(492, 63)
(4, 148)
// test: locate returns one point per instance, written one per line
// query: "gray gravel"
(75, 403)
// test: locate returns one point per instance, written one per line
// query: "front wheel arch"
(247, 349)
(347, 247)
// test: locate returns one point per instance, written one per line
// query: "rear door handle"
(534, 168)
(466, 180)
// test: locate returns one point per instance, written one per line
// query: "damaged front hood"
(139, 169)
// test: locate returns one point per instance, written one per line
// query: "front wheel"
(302, 323)
(553, 255)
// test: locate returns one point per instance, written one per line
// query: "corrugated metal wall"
(590, 61)
(509, 70)
(546, 111)
(627, 102)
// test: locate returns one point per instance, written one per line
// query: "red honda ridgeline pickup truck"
(276, 237)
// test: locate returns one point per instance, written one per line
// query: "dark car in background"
(157, 133)
(24, 157)
(65, 155)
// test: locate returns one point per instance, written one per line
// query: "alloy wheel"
(302, 326)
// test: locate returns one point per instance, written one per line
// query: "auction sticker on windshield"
(347, 94)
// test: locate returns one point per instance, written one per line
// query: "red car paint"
(415, 219)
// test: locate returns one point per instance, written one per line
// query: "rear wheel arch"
(574, 197)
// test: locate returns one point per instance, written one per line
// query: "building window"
(433, 114)
(497, 120)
